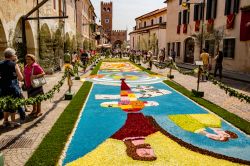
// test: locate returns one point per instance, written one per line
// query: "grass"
(240, 123)
(49, 151)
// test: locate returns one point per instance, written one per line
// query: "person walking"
(218, 64)
(33, 70)
(67, 57)
(10, 74)
(205, 59)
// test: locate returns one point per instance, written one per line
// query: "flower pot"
(197, 93)
(77, 78)
(68, 96)
(170, 76)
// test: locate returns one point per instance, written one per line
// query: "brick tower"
(106, 17)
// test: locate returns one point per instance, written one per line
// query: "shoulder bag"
(37, 82)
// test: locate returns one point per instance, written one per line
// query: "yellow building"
(184, 27)
(150, 31)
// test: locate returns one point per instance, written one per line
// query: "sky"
(125, 11)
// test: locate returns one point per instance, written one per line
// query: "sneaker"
(15, 124)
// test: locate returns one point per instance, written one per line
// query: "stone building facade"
(46, 38)
(150, 31)
(223, 16)
(115, 37)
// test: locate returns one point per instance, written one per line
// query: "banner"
(197, 25)
(230, 21)
(184, 28)
(178, 29)
(245, 26)
(210, 25)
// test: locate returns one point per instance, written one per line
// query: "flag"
(245, 26)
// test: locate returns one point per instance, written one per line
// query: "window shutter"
(215, 9)
(179, 19)
(196, 11)
(236, 6)
(209, 8)
(201, 9)
(184, 18)
(227, 7)
(180, 2)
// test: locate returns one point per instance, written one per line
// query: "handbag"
(37, 82)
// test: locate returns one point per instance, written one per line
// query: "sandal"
(38, 114)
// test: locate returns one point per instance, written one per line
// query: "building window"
(185, 19)
(197, 12)
(231, 7)
(145, 24)
(152, 22)
(108, 10)
(179, 18)
(180, 2)
(104, 9)
(211, 9)
(173, 46)
(106, 20)
(168, 49)
(178, 49)
(228, 48)
(160, 20)
(210, 46)
(54, 4)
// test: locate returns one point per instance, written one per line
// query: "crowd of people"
(11, 78)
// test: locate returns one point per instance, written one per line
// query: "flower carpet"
(133, 118)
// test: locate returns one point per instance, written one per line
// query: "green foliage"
(230, 117)
(49, 151)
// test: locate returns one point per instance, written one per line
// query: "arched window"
(152, 22)
(160, 20)
(108, 10)
(104, 9)
(145, 24)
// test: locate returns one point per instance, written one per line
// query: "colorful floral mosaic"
(141, 124)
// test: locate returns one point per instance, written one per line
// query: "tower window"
(104, 9)
(108, 10)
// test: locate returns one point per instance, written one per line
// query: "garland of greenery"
(13, 103)
(228, 90)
